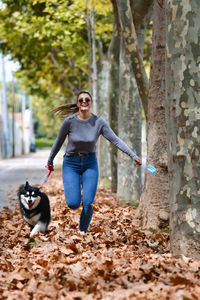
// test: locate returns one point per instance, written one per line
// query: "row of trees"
(60, 44)
(171, 103)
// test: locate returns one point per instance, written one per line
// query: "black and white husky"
(35, 208)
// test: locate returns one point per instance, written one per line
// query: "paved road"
(15, 171)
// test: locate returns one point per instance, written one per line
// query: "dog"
(35, 208)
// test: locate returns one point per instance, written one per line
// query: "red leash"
(46, 178)
(50, 168)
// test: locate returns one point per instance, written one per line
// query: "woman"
(80, 163)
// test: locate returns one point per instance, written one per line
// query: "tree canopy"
(49, 39)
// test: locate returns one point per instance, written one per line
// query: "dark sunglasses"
(87, 100)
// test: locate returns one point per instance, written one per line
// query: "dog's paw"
(39, 227)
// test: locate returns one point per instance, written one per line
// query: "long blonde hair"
(70, 108)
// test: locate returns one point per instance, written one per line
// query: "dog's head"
(29, 196)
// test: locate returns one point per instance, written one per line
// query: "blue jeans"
(77, 171)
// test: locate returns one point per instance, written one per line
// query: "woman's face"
(84, 102)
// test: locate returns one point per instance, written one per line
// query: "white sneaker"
(81, 232)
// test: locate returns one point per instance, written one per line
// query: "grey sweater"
(83, 136)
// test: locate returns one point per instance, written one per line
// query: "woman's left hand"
(138, 162)
(50, 167)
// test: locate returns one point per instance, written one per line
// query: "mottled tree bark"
(130, 123)
(153, 210)
(130, 115)
(103, 87)
(114, 51)
(132, 50)
(183, 99)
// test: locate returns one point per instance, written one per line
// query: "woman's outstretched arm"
(109, 134)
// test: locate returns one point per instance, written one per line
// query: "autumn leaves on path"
(114, 260)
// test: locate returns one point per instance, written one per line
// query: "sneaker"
(81, 232)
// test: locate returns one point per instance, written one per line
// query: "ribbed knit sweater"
(83, 135)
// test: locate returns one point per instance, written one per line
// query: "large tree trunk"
(153, 210)
(130, 124)
(114, 51)
(132, 50)
(94, 62)
(92, 72)
(130, 115)
(103, 87)
(183, 82)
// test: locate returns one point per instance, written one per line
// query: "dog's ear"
(27, 184)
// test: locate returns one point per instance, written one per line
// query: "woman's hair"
(69, 109)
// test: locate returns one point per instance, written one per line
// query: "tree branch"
(132, 50)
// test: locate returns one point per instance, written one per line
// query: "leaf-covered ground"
(114, 260)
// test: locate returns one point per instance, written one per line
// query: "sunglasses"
(87, 100)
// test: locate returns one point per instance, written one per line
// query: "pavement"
(16, 171)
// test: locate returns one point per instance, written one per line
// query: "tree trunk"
(183, 82)
(114, 52)
(23, 107)
(90, 52)
(132, 50)
(94, 62)
(103, 86)
(130, 124)
(130, 114)
(153, 211)
(13, 116)
(92, 72)
(5, 119)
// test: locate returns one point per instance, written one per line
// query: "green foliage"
(152, 230)
(43, 143)
(49, 39)
(46, 42)
(166, 230)
(148, 48)
(130, 203)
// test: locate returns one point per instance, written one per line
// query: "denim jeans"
(77, 171)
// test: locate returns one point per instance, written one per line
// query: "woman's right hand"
(50, 167)
(138, 162)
